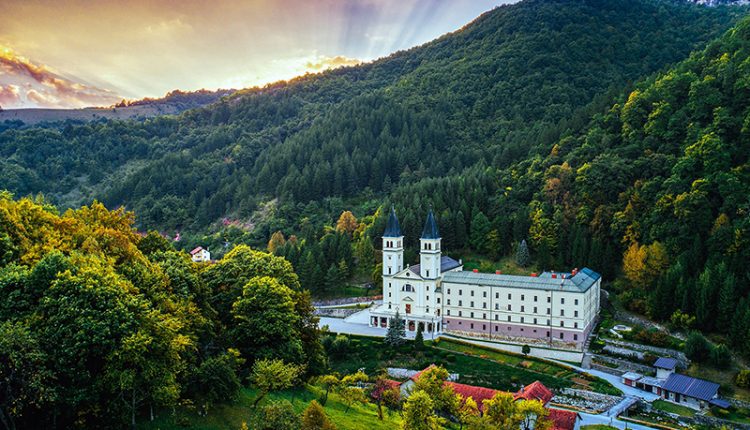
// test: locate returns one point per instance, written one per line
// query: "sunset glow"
(77, 53)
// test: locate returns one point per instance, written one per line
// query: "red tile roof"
(388, 384)
(562, 419)
(479, 394)
(196, 250)
(534, 391)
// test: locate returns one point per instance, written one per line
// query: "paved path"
(589, 419)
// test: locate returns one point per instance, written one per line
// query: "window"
(522, 308)
(408, 308)
(575, 325)
(521, 320)
(523, 297)
(472, 325)
(535, 321)
(472, 293)
(549, 312)
(484, 294)
(509, 307)
(428, 288)
(389, 305)
(508, 318)
(460, 292)
(508, 296)
(496, 328)
(562, 323)
(389, 270)
(484, 316)
(447, 312)
(459, 313)
(562, 300)
(472, 314)
(576, 302)
(497, 306)
(484, 305)
(389, 294)
(497, 295)
(472, 304)
(575, 337)
(427, 298)
(484, 327)
(562, 312)
(427, 309)
(460, 303)
(497, 317)
(438, 300)
(449, 290)
(547, 334)
(534, 309)
(575, 313)
(535, 298)
(549, 299)
(449, 301)
(428, 273)
(562, 335)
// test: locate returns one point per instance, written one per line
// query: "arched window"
(407, 288)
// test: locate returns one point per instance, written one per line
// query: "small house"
(200, 255)
(664, 367)
(691, 392)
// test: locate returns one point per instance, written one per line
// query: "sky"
(78, 53)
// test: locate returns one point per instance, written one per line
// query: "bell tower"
(429, 249)
(393, 247)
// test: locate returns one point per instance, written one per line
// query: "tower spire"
(392, 228)
(430, 230)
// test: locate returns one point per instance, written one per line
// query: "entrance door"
(408, 308)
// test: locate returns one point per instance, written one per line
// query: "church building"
(555, 309)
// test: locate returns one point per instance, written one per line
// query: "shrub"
(743, 378)
(721, 357)
(697, 347)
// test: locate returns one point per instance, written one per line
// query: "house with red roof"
(200, 255)
(561, 419)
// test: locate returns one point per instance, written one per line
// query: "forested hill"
(502, 88)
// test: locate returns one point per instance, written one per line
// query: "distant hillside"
(173, 103)
(502, 89)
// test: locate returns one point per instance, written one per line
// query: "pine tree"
(480, 228)
(727, 304)
(419, 338)
(523, 258)
(396, 331)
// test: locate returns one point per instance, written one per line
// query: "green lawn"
(475, 365)
(359, 417)
(670, 407)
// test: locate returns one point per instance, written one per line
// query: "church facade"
(551, 309)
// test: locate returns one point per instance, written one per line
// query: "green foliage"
(396, 334)
(697, 347)
(94, 332)
(315, 418)
(523, 258)
(273, 375)
(280, 415)
(742, 379)
(419, 337)
(419, 413)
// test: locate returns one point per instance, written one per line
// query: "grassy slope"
(359, 417)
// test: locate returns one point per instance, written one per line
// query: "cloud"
(43, 87)
(9, 95)
(325, 63)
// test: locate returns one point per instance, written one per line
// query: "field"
(359, 417)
